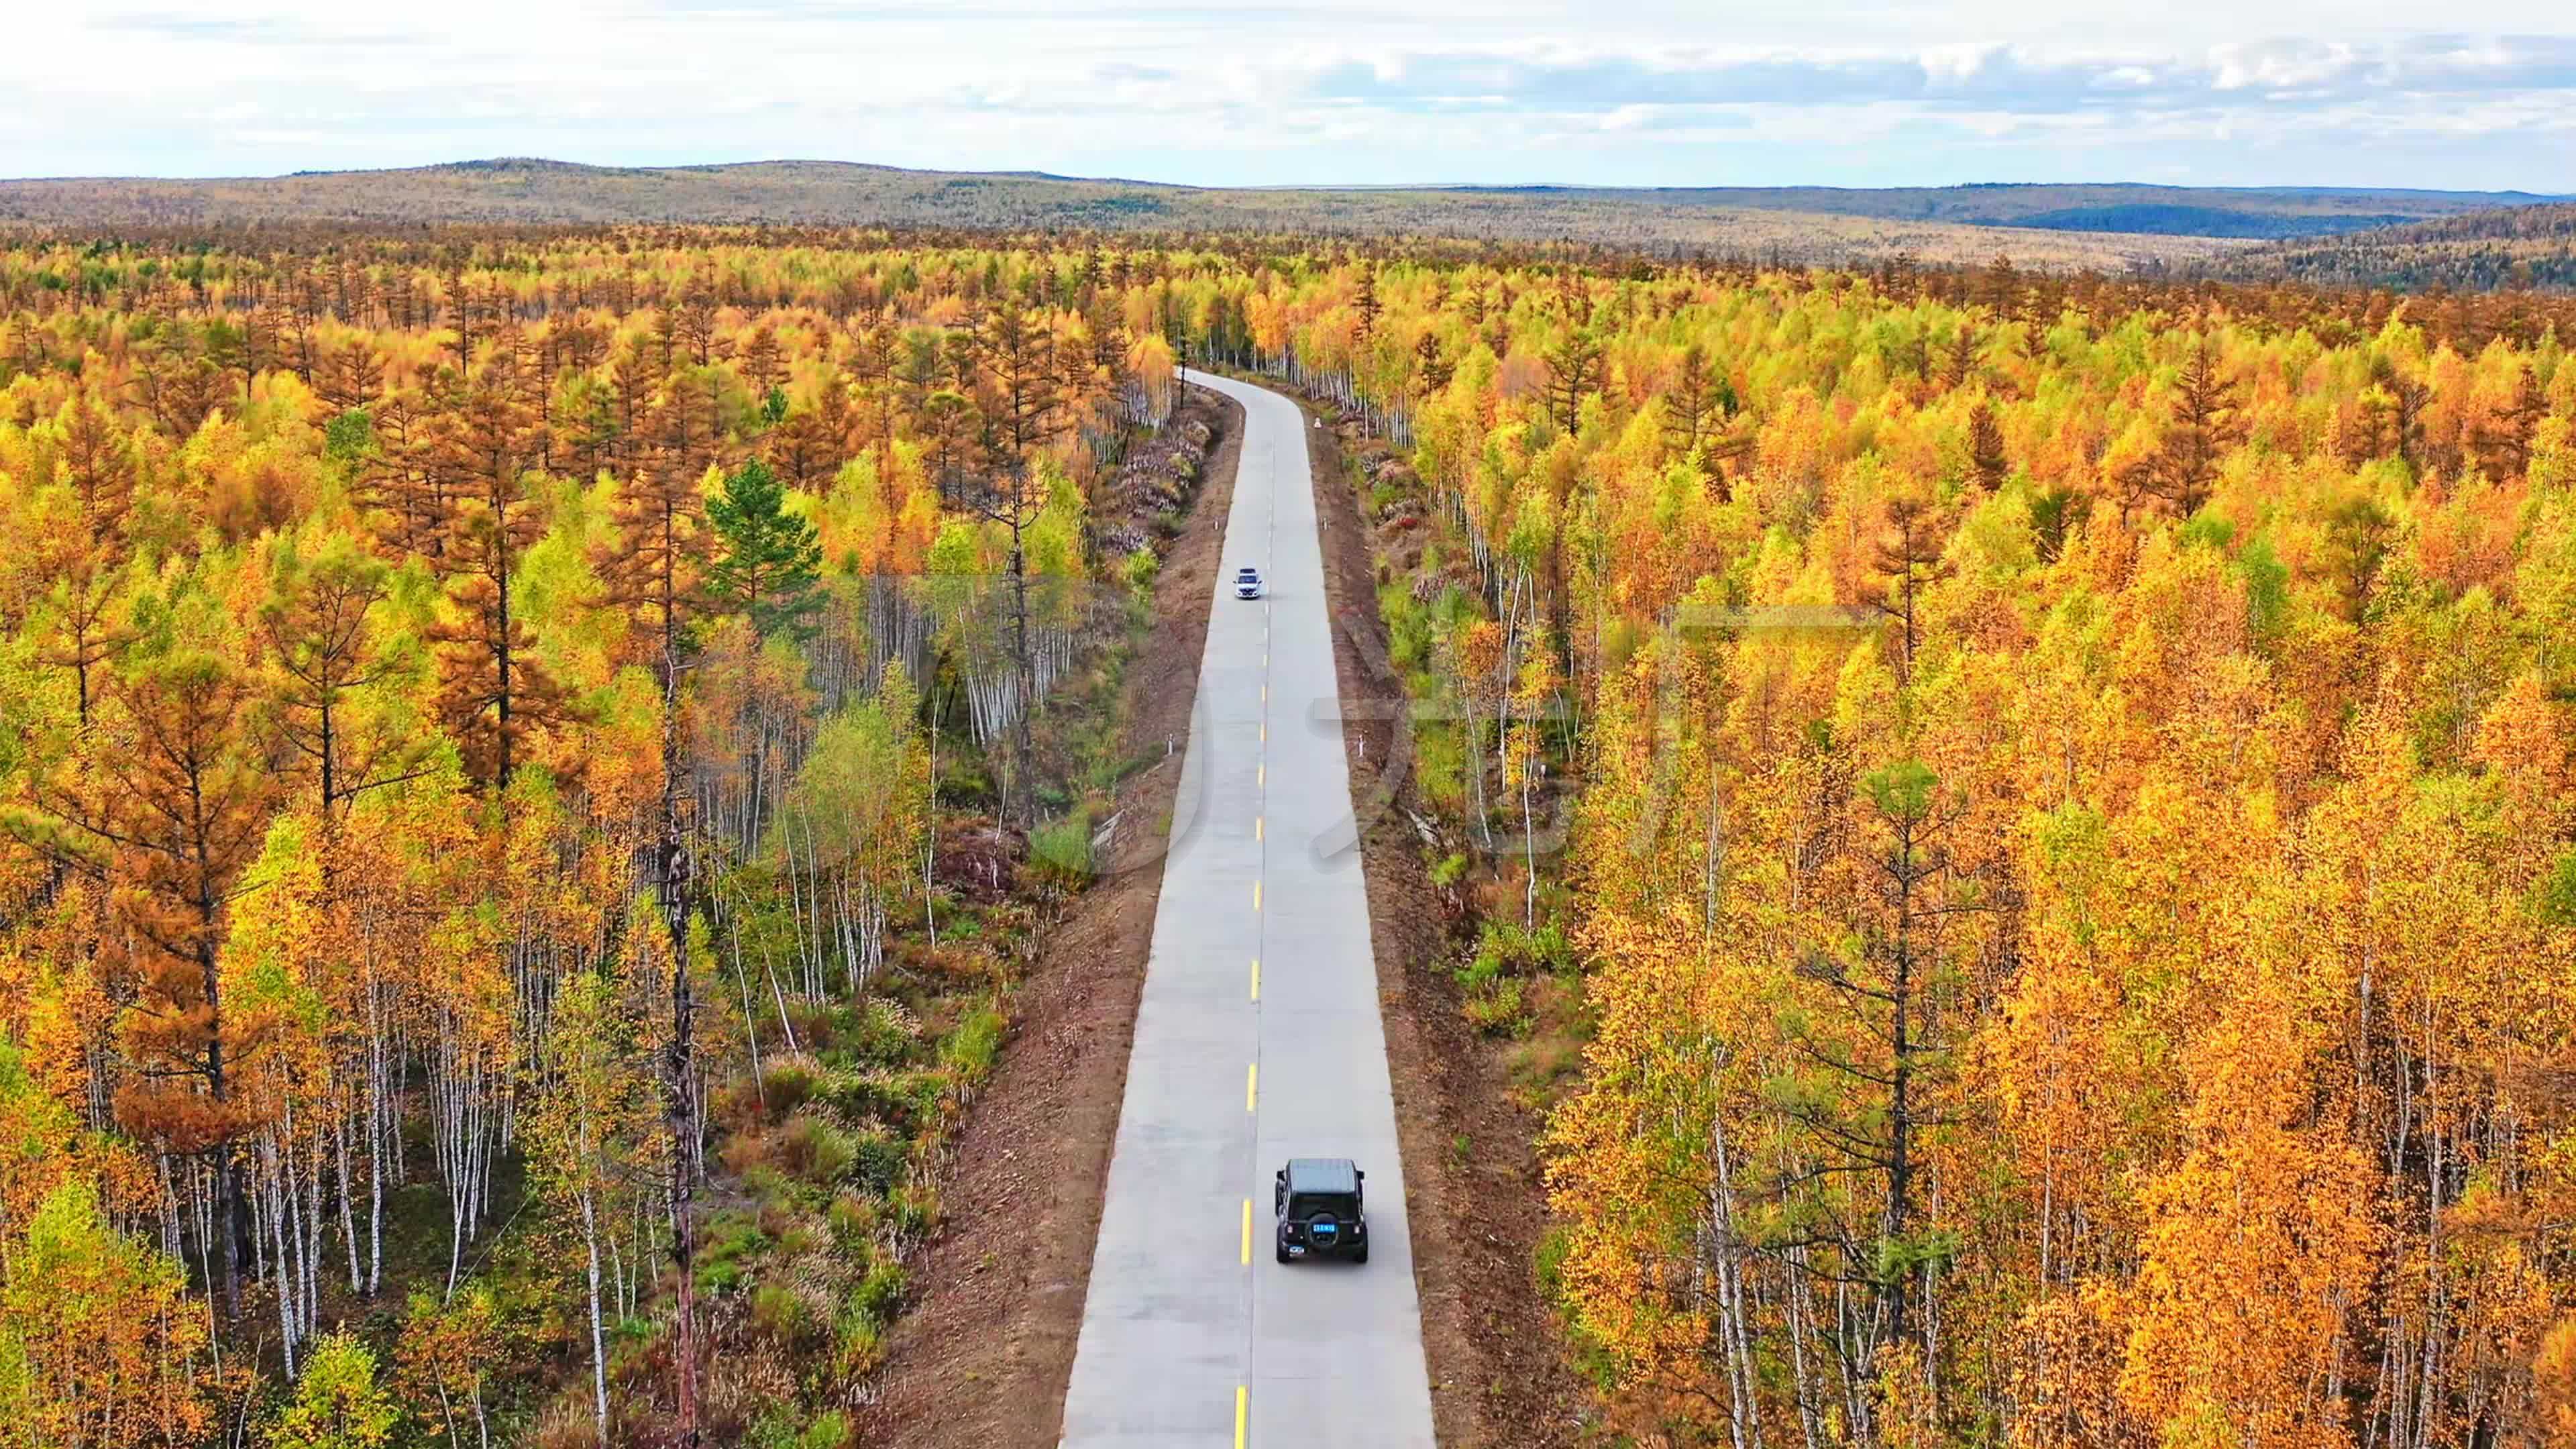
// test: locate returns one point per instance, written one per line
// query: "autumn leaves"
(2095, 974)
(2110, 999)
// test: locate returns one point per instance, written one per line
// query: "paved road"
(1257, 1040)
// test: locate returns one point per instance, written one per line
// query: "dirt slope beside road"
(982, 1362)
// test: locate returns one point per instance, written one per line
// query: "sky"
(2478, 95)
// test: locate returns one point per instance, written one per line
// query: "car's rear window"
(1340, 1204)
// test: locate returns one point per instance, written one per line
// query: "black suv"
(1317, 1202)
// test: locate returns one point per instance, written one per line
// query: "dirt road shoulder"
(983, 1361)
(1498, 1374)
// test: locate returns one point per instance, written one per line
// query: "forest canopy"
(2068, 866)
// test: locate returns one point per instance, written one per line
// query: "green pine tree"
(770, 558)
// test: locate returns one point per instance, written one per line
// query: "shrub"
(767, 1183)
(854, 1222)
(900, 1099)
(880, 1161)
(858, 1330)
(1060, 851)
(785, 1427)
(885, 1033)
(911, 1209)
(962, 785)
(1480, 970)
(816, 1149)
(731, 1238)
(338, 1404)
(858, 1342)
(1408, 627)
(782, 1312)
(566, 1424)
(1141, 570)
(788, 1082)
(880, 1293)
(2556, 903)
(1494, 1008)
(1440, 766)
(1504, 949)
(970, 1049)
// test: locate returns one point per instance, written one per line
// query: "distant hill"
(2166, 219)
(2204, 211)
(2110, 226)
(2525, 246)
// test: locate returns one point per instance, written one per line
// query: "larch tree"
(1573, 374)
(658, 571)
(1432, 368)
(1024, 411)
(321, 656)
(495, 691)
(95, 463)
(2205, 424)
(352, 375)
(1987, 462)
(175, 811)
(2504, 441)
(1692, 405)
(1907, 560)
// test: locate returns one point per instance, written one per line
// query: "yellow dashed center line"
(1256, 978)
(1251, 1080)
(1241, 1399)
(1256, 895)
(1261, 777)
(1247, 1230)
(1256, 827)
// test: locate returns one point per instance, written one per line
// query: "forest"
(2053, 225)
(2020, 834)
(2522, 248)
(1812, 225)
(2021, 822)
(525, 791)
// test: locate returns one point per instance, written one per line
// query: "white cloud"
(1648, 91)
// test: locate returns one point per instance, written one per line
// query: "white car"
(1247, 582)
